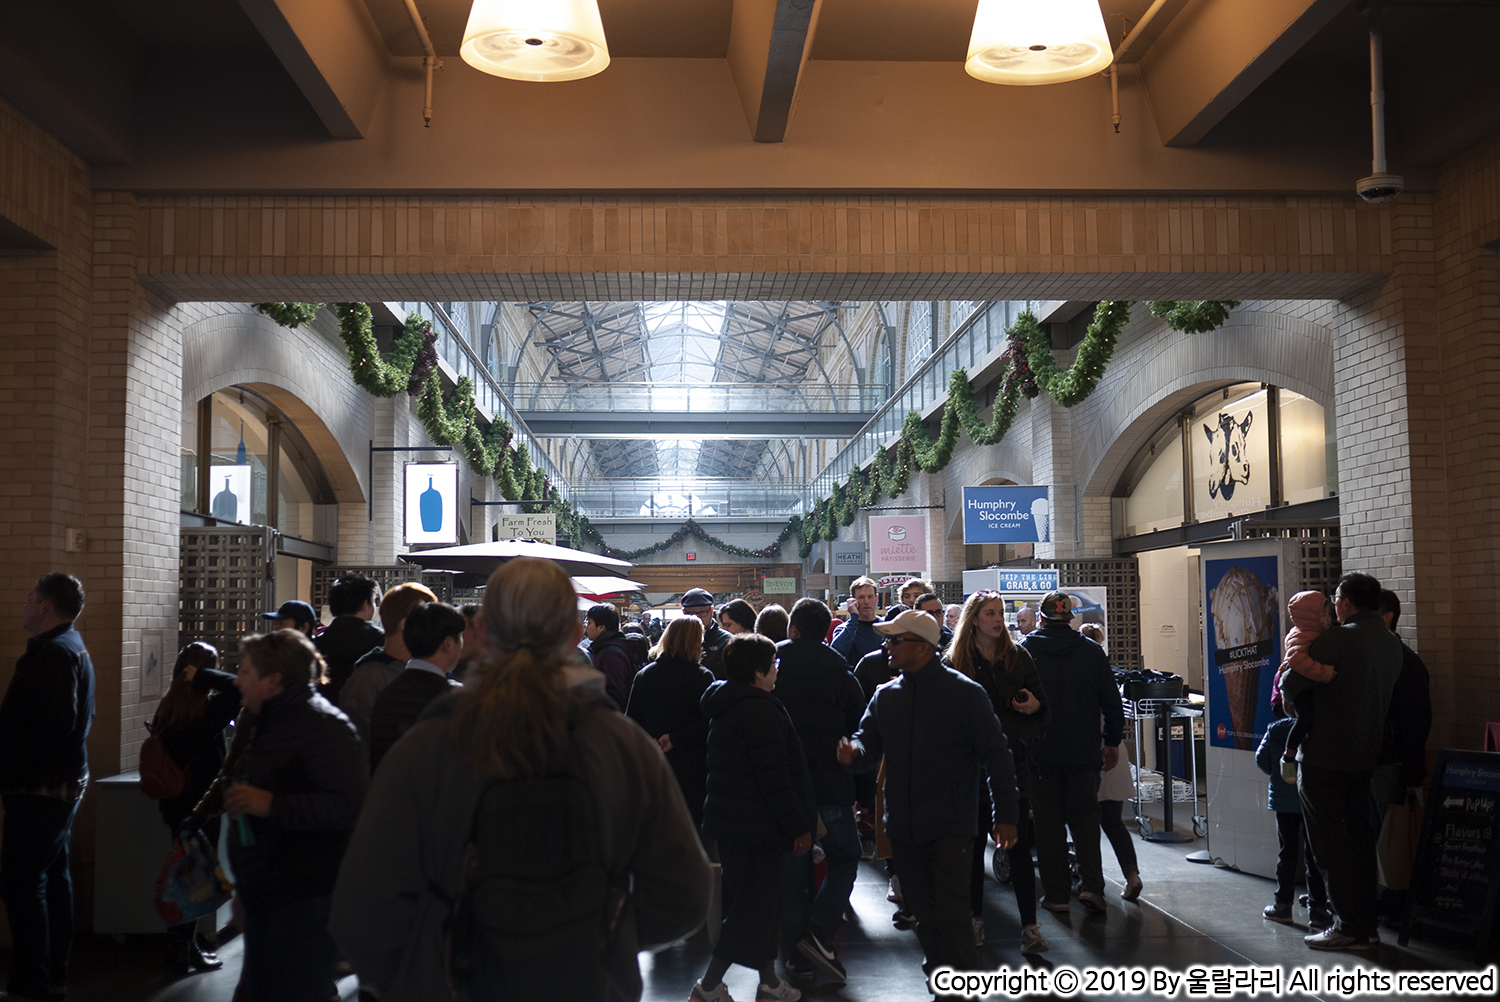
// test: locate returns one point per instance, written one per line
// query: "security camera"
(1380, 187)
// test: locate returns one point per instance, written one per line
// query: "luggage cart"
(1168, 714)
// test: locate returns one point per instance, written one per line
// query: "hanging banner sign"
(538, 528)
(1007, 515)
(432, 503)
(898, 543)
(850, 559)
(230, 487)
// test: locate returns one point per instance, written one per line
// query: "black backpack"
(538, 912)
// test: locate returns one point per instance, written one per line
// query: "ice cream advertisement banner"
(1241, 596)
(898, 544)
(1006, 515)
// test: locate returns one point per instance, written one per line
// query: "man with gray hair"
(44, 768)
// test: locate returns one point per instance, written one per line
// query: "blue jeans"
(802, 912)
(38, 891)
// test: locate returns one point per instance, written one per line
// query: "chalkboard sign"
(1457, 877)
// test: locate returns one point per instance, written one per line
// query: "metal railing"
(454, 348)
(715, 398)
(981, 333)
(688, 497)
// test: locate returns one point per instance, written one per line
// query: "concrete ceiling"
(740, 95)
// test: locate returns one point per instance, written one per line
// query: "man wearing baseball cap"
(936, 728)
(1065, 794)
(697, 602)
(293, 615)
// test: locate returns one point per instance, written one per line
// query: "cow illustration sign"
(1228, 454)
(1231, 454)
(898, 544)
(1007, 515)
(432, 503)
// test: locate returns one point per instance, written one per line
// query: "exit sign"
(692, 556)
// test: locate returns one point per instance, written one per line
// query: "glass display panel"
(1306, 442)
(1156, 501)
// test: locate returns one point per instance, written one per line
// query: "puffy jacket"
(1281, 796)
(759, 790)
(825, 704)
(307, 755)
(666, 698)
(347, 639)
(46, 715)
(1080, 685)
(1306, 613)
(1022, 730)
(198, 746)
(936, 728)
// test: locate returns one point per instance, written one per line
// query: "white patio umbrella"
(601, 586)
(481, 559)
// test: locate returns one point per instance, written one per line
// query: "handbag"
(161, 777)
(191, 882)
(1396, 849)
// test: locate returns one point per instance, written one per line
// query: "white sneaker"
(1032, 941)
(701, 994)
(779, 992)
(1133, 887)
(978, 921)
(894, 893)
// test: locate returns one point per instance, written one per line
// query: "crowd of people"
(505, 801)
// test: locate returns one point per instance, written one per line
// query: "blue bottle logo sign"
(430, 505)
(226, 505)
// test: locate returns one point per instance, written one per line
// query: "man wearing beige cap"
(936, 728)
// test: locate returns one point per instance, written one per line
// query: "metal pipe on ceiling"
(430, 61)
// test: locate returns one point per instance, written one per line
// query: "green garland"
(1193, 316)
(289, 315)
(690, 528)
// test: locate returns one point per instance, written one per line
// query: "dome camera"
(1380, 187)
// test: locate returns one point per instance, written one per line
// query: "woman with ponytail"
(530, 712)
(983, 650)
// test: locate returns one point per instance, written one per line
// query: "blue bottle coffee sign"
(432, 503)
(1007, 515)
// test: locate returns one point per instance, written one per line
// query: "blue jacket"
(936, 728)
(1282, 796)
(825, 703)
(1081, 686)
(46, 714)
(854, 639)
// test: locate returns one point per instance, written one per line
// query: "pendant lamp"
(1026, 42)
(541, 40)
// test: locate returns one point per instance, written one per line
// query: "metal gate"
(226, 579)
(1121, 577)
(385, 575)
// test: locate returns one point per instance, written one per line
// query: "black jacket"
(198, 746)
(666, 698)
(347, 639)
(46, 714)
(873, 671)
(936, 728)
(759, 790)
(307, 754)
(399, 705)
(825, 704)
(1409, 720)
(714, 639)
(1080, 685)
(1352, 707)
(611, 656)
(1022, 730)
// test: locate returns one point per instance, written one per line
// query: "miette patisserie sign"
(898, 544)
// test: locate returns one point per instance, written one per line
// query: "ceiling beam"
(335, 54)
(1216, 52)
(768, 45)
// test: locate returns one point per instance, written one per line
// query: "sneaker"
(779, 992)
(1032, 941)
(1061, 907)
(1333, 939)
(701, 994)
(1093, 902)
(1289, 770)
(1304, 900)
(1133, 888)
(1277, 911)
(893, 894)
(800, 969)
(823, 958)
(1319, 917)
(904, 919)
(978, 921)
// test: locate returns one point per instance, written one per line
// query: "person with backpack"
(180, 759)
(524, 840)
(610, 652)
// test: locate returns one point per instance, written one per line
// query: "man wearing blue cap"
(293, 615)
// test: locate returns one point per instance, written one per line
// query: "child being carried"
(1311, 613)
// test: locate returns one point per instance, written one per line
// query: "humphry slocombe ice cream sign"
(1007, 515)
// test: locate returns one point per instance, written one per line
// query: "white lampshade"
(539, 40)
(1037, 41)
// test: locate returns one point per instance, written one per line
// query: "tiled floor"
(1189, 914)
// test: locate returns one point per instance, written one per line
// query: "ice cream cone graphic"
(1039, 518)
(1244, 614)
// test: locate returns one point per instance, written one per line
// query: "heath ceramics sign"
(1006, 515)
(849, 558)
(898, 543)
